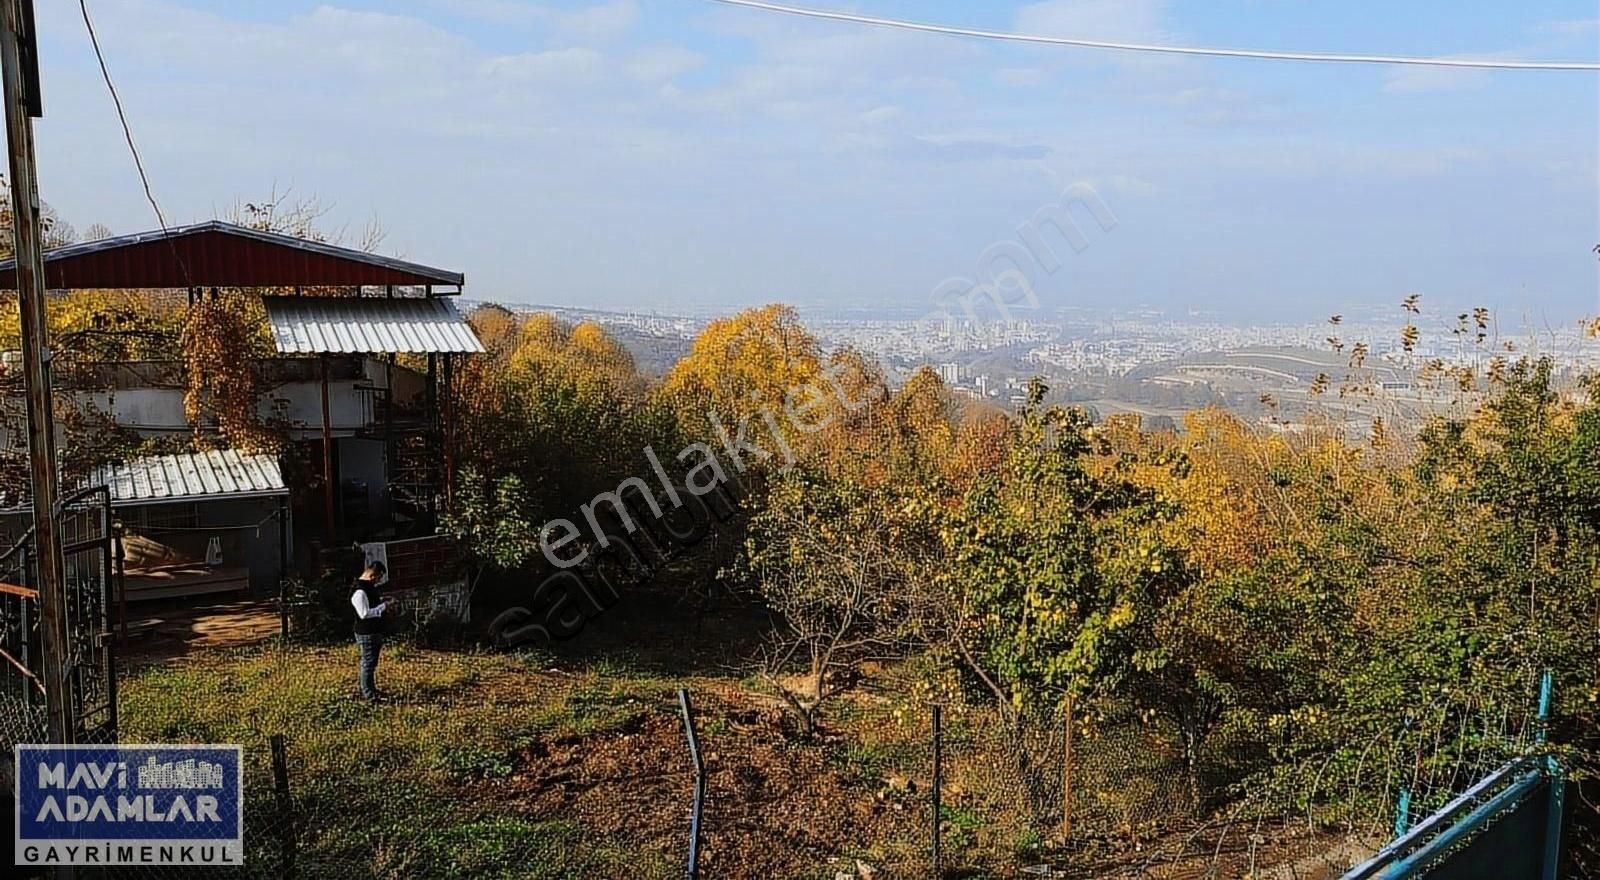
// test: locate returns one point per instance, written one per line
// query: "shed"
(345, 302)
(201, 522)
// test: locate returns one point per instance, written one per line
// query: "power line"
(1482, 63)
(127, 134)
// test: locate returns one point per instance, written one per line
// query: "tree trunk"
(1191, 762)
(1030, 776)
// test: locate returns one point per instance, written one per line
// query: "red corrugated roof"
(218, 254)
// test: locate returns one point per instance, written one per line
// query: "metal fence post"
(1402, 807)
(106, 635)
(1402, 813)
(286, 824)
(1066, 771)
(938, 783)
(1546, 691)
(119, 557)
(283, 571)
(1555, 779)
(693, 871)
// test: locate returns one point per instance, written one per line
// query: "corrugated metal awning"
(197, 476)
(368, 325)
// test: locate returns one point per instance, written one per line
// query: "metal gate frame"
(89, 537)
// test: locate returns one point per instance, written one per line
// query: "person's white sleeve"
(359, 599)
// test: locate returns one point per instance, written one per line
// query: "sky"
(675, 154)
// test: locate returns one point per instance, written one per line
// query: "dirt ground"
(168, 628)
(603, 749)
(773, 808)
(779, 809)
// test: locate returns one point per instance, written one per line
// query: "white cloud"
(494, 11)
(1126, 184)
(576, 64)
(601, 20)
(1121, 21)
(1019, 76)
(885, 113)
(1414, 79)
(606, 19)
(375, 42)
(971, 145)
(1214, 106)
(1572, 28)
(655, 64)
(1117, 20)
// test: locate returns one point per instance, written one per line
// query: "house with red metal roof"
(361, 388)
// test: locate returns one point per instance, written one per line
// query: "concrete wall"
(155, 412)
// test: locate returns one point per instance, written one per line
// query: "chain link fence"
(518, 766)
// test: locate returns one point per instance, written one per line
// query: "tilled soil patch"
(774, 808)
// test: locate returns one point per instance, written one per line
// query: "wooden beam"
(24, 670)
(15, 590)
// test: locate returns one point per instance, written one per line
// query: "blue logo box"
(129, 805)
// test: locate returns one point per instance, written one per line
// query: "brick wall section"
(421, 563)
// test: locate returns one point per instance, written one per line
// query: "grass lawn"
(403, 789)
(537, 765)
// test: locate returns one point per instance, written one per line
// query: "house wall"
(155, 412)
(409, 385)
(156, 409)
(146, 410)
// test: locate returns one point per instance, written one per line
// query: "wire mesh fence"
(507, 765)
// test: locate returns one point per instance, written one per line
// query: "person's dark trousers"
(370, 645)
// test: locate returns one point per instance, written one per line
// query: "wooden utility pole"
(19, 61)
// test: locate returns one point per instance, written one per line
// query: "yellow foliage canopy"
(741, 366)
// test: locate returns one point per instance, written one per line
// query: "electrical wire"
(1479, 63)
(127, 134)
(136, 529)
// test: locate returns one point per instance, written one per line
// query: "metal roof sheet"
(218, 254)
(368, 325)
(217, 473)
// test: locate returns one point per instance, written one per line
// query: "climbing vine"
(225, 331)
(221, 337)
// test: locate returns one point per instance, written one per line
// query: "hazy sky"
(663, 153)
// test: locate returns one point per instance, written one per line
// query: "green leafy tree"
(829, 559)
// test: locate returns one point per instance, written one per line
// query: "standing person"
(367, 599)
